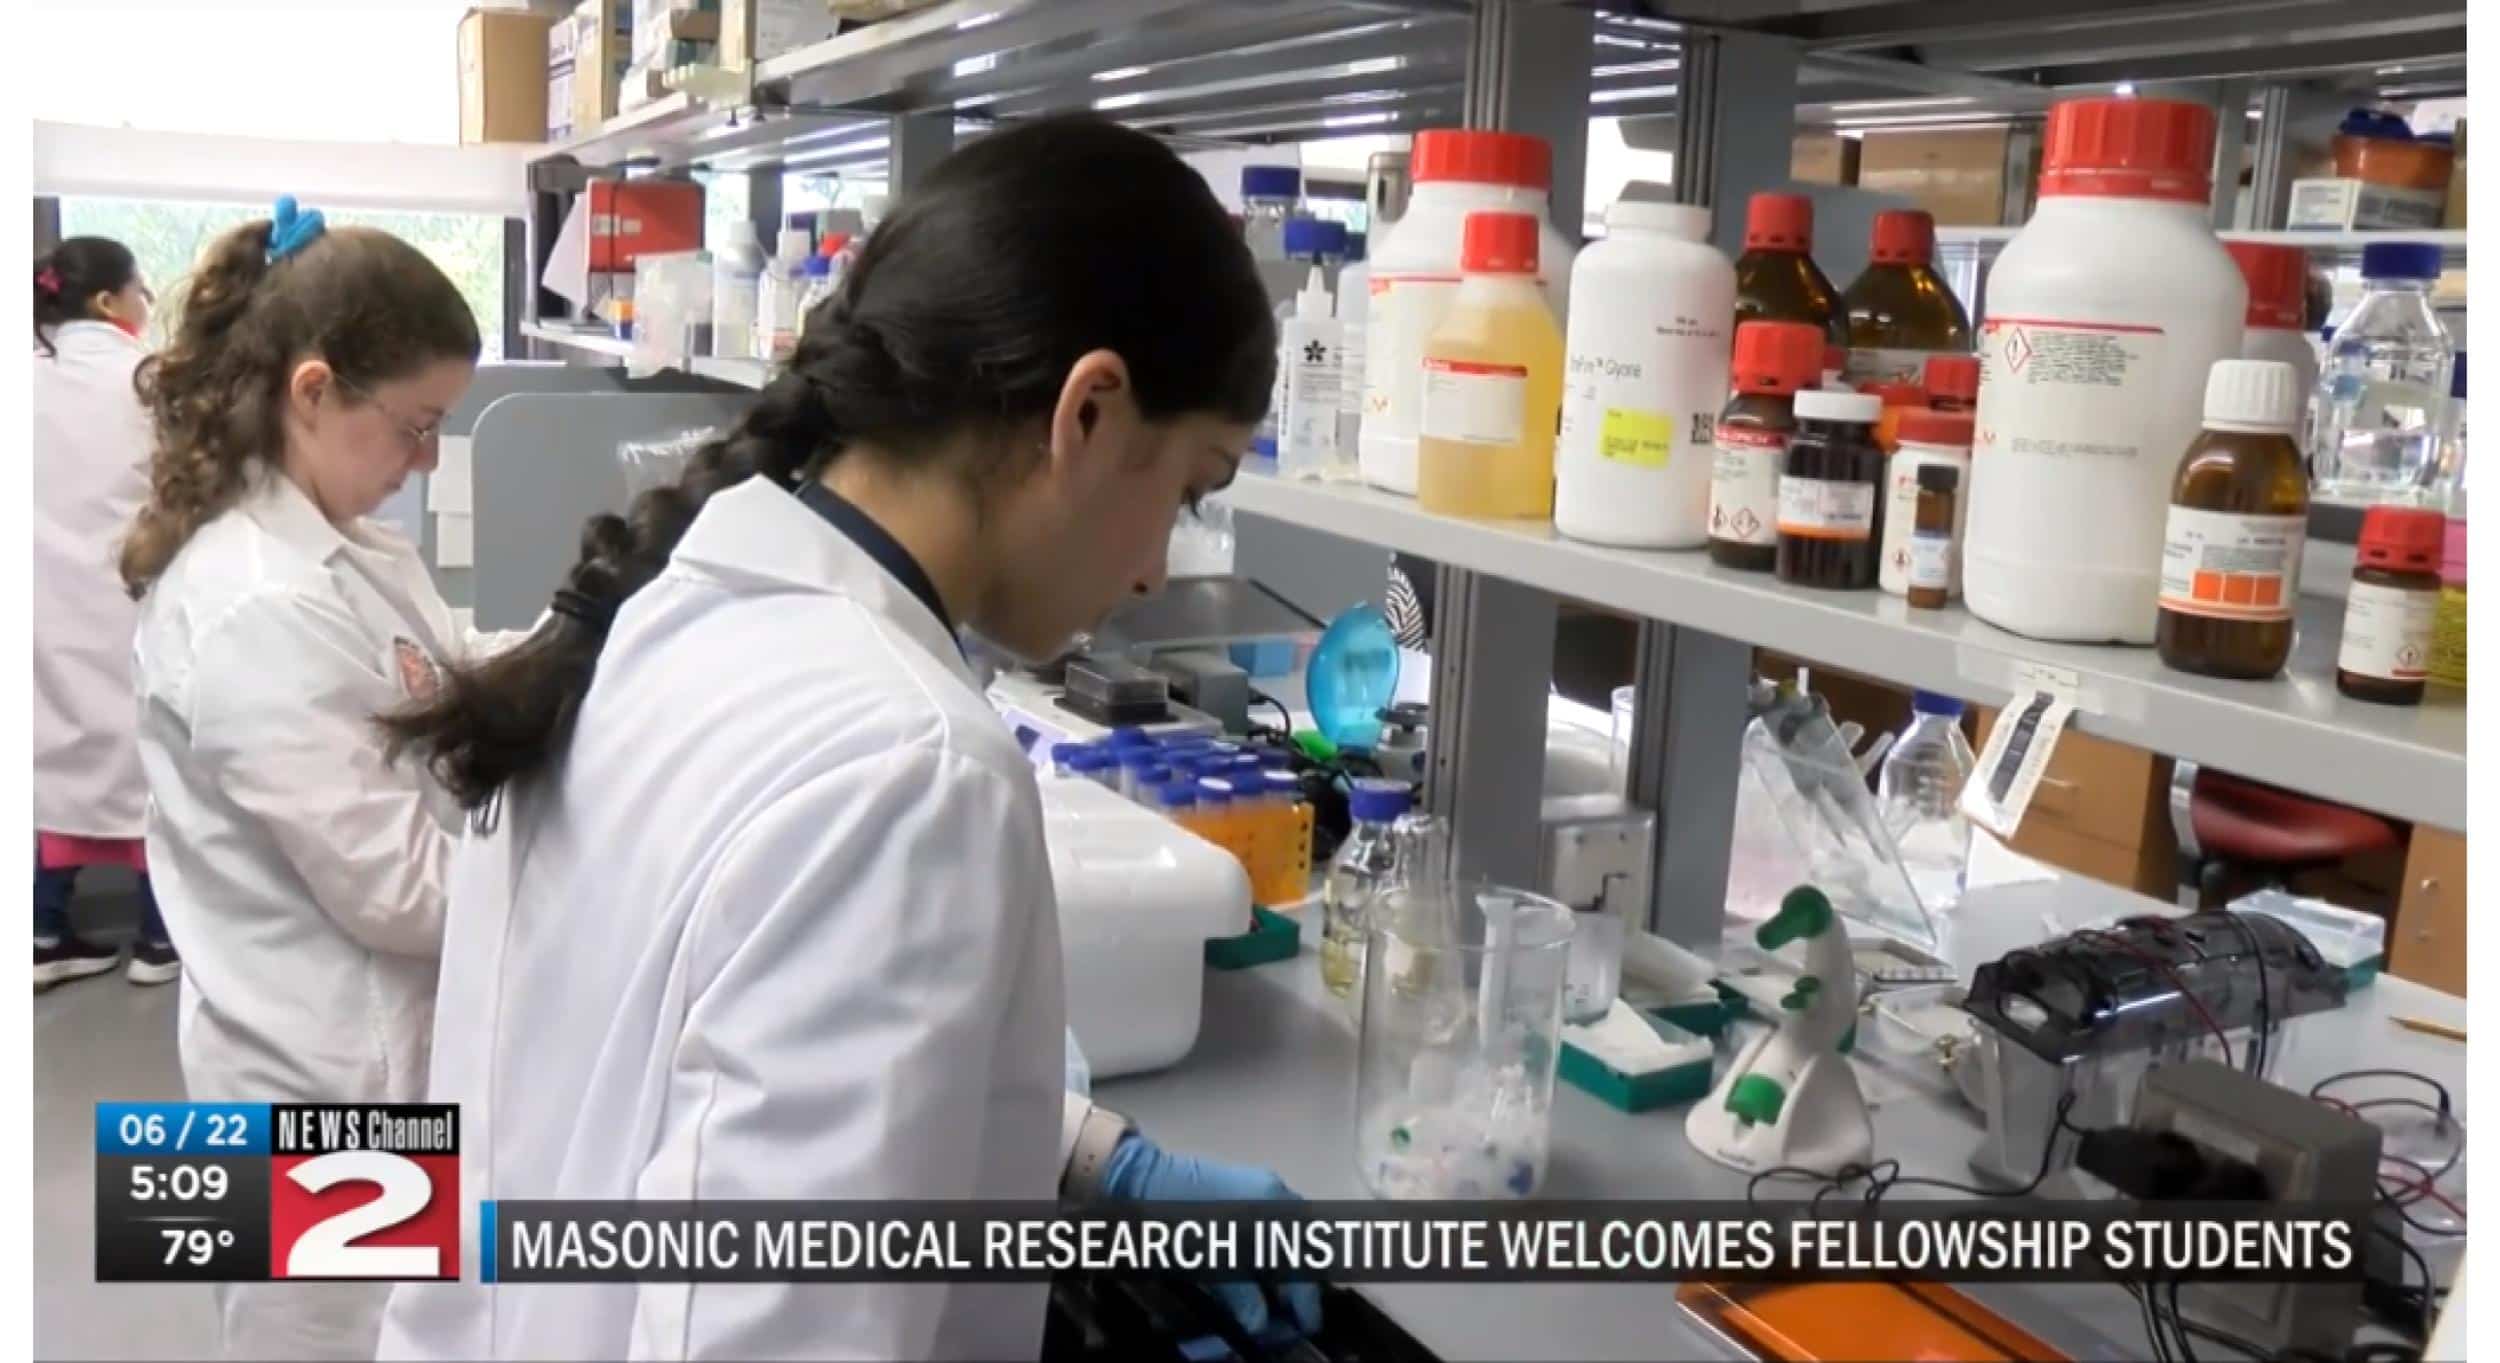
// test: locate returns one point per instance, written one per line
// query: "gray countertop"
(1271, 1082)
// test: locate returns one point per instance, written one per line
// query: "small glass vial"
(2239, 514)
(1773, 361)
(1829, 492)
(2385, 656)
(1931, 538)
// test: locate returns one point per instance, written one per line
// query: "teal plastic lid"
(1353, 672)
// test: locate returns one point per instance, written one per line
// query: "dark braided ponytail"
(965, 312)
(511, 714)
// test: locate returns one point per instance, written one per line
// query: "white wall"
(314, 70)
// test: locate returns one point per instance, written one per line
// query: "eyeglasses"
(417, 434)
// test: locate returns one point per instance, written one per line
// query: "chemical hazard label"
(2067, 389)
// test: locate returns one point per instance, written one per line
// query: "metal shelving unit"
(2296, 731)
(1737, 77)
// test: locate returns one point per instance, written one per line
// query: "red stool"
(2226, 823)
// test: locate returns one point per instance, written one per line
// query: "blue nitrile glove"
(1140, 1171)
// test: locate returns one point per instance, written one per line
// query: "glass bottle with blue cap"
(1368, 864)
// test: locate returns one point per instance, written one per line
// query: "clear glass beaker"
(1462, 1022)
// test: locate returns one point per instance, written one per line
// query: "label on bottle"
(1641, 382)
(1931, 560)
(1901, 514)
(1404, 310)
(1826, 509)
(1885, 364)
(2387, 631)
(1307, 425)
(2230, 566)
(1475, 402)
(1350, 367)
(2068, 390)
(1745, 485)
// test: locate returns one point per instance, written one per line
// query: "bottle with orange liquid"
(1492, 382)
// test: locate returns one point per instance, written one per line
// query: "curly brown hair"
(368, 304)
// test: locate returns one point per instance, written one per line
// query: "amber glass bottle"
(1899, 310)
(1830, 511)
(1774, 362)
(2385, 652)
(2239, 513)
(1776, 278)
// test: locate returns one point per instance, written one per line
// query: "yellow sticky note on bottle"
(1628, 435)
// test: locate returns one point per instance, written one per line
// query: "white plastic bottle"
(778, 293)
(1645, 371)
(737, 273)
(1414, 276)
(1309, 359)
(1927, 437)
(2104, 314)
(1354, 286)
(2278, 302)
(820, 283)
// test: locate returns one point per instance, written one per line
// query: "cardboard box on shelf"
(657, 31)
(560, 103)
(2337, 203)
(1823, 159)
(603, 37)
(503, 76)
(2453, 215)
(1958, 174)
(759, 30)
(630, 219)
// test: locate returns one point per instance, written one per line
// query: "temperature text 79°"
(194, 1245)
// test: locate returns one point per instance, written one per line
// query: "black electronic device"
(2150, 982)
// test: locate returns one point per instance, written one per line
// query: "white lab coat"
(780, 926)
(301, 875)
(91, 477)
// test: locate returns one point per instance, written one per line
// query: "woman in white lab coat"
(764, 910)
(90, 458)
(300, 869)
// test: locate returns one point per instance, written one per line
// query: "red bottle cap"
(1779, 222)
(1953, 376)
(2129, 149)
(2405, 539)
(1498, 243)
(2278, 283)
(1896, 393)
(1904, 236)
(1927, 426)
(1478, 157)
(1777, 357)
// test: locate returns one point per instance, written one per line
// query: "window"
(168, 235)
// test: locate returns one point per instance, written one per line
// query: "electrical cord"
(1884, 1175)
(1259, 697)
(2260, 1041)
(2319, 1088)
(2171, 973)
(2420, 1188)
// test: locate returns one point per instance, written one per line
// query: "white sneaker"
(71, 957)
(153, 963)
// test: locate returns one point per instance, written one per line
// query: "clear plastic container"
(1367, 864)
(737, 270)
(1462, 1023)
(2383, 391)
(1919, 791)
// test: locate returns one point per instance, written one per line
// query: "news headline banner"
(1989, 1241)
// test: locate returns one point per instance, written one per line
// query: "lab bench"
(1271, 1082)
